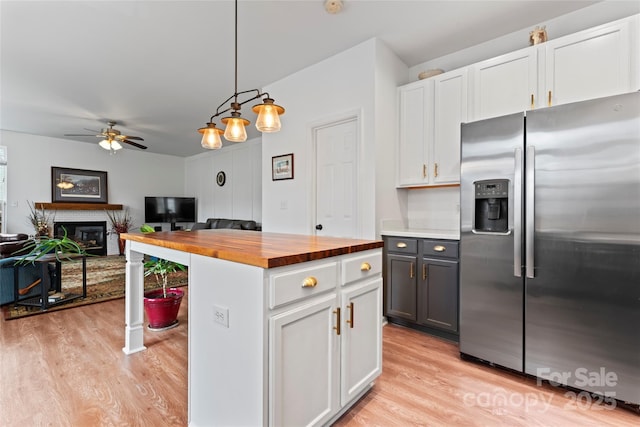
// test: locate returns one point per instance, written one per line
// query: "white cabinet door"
(450, 110)
(361, 337)
(589, 64)
(304, 371)
(415, 101)
(504, 85)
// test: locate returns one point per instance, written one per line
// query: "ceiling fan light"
(110, 145)
(268, 116)
(235, 130)
(211, 137)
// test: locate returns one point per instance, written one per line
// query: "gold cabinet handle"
(435, 170)
(337, 327)
(424, 271)
(424, 171)
(439, 248)
(411, 272)
(549, 100)
(532, 102)
(401, 245)
(365, 266)
(309, 282)
(350, 321)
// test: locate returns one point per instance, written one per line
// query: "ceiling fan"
(111, 138)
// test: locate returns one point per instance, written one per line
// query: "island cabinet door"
(361, 337)
(304, 358)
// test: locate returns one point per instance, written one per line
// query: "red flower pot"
(162, 313)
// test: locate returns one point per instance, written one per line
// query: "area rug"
(105, 281)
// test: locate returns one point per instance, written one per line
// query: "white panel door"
(589, 64)
(450, 110)
(361, 337)
(304, 357)
(336, 179)
(506, 84)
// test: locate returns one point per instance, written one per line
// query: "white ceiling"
(160, 68)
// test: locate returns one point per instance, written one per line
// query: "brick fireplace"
(89, 235)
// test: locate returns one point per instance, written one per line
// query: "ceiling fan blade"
(123, 137)
(74, 134)
(92, 130)
(135, 144)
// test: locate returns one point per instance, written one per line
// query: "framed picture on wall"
(78, 186)
(282, 167)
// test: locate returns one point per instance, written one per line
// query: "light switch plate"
(221, 315)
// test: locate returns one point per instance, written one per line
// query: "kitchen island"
(283, 329)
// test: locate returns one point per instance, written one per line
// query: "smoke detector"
(333, 6)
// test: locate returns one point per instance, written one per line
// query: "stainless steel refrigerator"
(550, 244)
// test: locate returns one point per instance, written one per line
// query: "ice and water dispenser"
(492, 204)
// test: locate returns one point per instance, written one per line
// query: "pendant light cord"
(236, 49)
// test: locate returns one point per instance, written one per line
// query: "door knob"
(319, 227)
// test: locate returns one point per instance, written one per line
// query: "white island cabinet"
(283, 330)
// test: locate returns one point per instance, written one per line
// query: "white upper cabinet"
(430, 113)
(450, 110)
(505, 85)
(591, 64)
(415, 106)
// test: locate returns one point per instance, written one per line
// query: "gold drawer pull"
(309, 282)
(439, 248)
(533, 104)
(401, 245)
(549, 100)
(435, 170)
(365, 266)
(337, 327)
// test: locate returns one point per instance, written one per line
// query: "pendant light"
(268, 113)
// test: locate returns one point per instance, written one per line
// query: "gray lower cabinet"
(421, 284)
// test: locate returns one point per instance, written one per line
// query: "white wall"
(131, 175)
(241, 195)
(391, 203)
(354, 81)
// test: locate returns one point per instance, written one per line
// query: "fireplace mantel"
(78, 206)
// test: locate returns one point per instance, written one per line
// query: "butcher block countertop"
(266, 250)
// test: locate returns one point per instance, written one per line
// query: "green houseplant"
(161, 305)
(63, 247)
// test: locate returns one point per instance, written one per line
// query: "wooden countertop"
(266, 250)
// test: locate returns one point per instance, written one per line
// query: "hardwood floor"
(66, 368)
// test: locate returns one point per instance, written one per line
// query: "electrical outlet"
(221, 315)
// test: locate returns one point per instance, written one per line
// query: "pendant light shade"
(268, 116)
(211, 137)
(268, 112)
(235, 130)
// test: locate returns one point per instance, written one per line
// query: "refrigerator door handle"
(517, 214)
(530, 211)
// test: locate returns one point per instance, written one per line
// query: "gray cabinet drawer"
(402, 245)
(440, 248)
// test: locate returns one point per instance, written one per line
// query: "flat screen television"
(170, 209)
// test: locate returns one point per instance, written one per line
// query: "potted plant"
(161, 305)
(121, 222)
(40, 220)
(62, 247)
